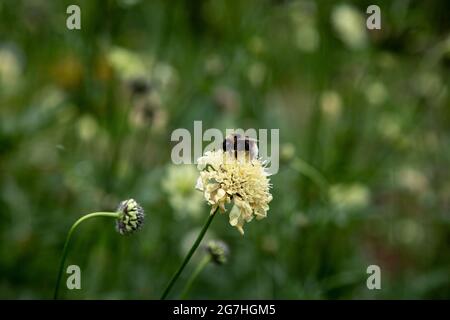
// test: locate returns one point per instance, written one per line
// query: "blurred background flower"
(86, 118)
(349, 24)
(349, 196)
(179, 183)
(11, 68)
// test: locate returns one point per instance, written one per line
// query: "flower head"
(178, 184)
(244, 182)
(349, 197)
(218, 251)
(349, 25)
(131, 217)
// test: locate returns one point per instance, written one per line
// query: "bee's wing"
(228, 145)
(241, 144)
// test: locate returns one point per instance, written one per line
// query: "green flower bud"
(131, 217)
(218, 251)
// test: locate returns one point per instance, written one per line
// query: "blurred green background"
(86, 117)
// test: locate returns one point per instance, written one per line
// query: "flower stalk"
(189, 255)
(216, 252)
(129, 218)
(203, 263)
(69, 237)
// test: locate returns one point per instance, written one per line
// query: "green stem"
(309, 171)
(69, 236)
(203, 263)
(189, 255)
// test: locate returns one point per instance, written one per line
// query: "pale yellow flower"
(178, 184)
(241, 181)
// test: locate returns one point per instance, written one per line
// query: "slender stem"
(69, 236)
(189, 255)
(308, 170)
(312, 173)
(203, 263)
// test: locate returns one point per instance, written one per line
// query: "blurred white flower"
(412, 179)
(376, 93)
(165, 75)
(179, 183)
(256, 73)
(331, 104)
(127, 64)
(306, 35)
(350, 26)
(349, 196)
(409, 232)
(390, 127)
(10, 69)
(287, 152)
(87, 127)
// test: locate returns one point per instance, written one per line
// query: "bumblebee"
(237, 143)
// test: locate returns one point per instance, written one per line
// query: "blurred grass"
(86, 118)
